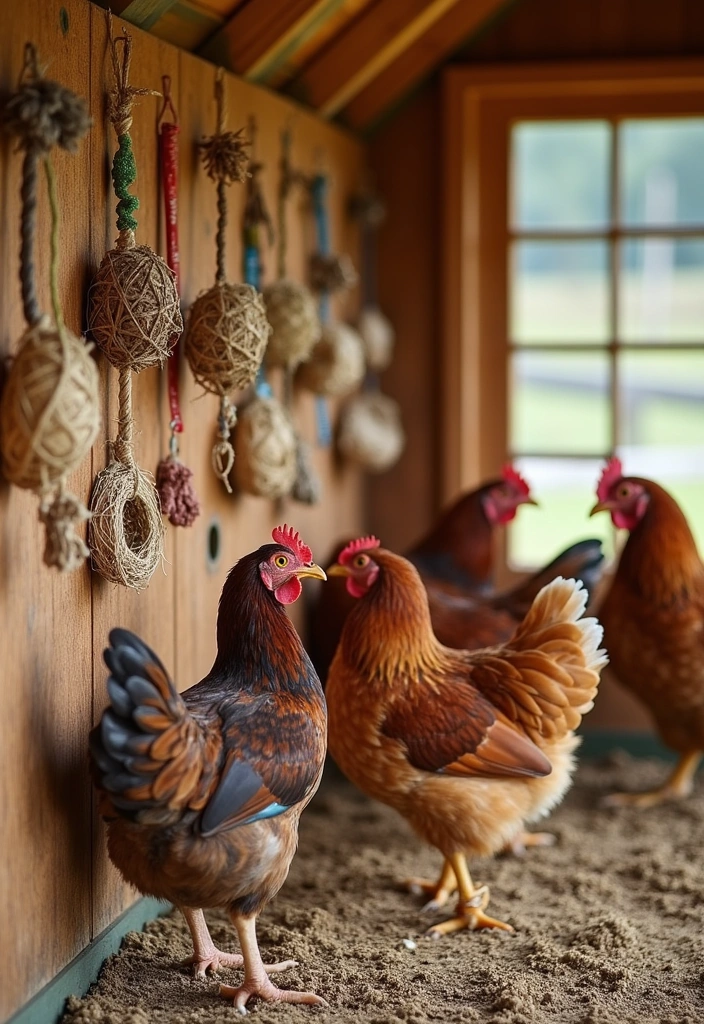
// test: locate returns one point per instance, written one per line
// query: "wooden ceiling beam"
(400, 76)
(263, 32)
(142, 13)
(364, 50)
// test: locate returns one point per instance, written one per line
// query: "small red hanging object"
(179, 501)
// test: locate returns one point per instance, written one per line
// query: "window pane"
(661, 290)
(559, 292)
(566, 490)
(661, 401)
(661, 171)
(560, 174)
(560, 403)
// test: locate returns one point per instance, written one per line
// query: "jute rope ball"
(295, 324)
(377, 336)
(370, 431)
(134, 313)
(226, 338)
(49, 416)
(336, 364)
(265, 448)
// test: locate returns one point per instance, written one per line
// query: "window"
(605, 269)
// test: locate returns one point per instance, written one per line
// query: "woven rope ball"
(336, 365)
(126, 528)
(295, 325)
(370, 432)
(265, 448)
(377, 336)
(134, 313)
(50, 413)
(226, 337)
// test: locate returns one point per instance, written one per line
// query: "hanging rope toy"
(179, 501)
(50, 407)
(370, 432)
(135, 318)
(374, 328)
(227, 328)
(336, 366)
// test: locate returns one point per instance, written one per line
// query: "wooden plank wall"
(57, 889)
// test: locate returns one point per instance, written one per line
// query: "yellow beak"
(529, 501)
(314, 571)
(338, 570)
(601, 506)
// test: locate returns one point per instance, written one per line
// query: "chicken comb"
(611, 473)
(361, 544)
(287, 537)
(512, 476)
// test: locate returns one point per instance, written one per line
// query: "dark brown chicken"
(203, 791)
(653, 618)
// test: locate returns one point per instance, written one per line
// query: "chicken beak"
(530, 501)
(313, 570)
(338, 570)
(601, 506)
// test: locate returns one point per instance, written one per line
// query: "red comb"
(361, 544)
(611, 473)
(290, 538)
(512, 476)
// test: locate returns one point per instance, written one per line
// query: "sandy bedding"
(609, 925)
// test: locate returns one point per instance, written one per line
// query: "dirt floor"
(609, 925)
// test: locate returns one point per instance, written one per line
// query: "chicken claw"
(470, 915)
(264, 989)
(677, 787)
(212, 963)
(439, 891)
(525, 840)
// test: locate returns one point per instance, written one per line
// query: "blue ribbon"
(252, 275)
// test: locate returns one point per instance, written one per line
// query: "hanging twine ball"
(133, 311)
(332, 273)
(336, 365)
(295, 325)
(126, 528)
(226, 337)
(265, 448)
(377, 336)
(371, 432)
(50, 413)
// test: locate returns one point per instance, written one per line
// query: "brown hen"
(468, 746)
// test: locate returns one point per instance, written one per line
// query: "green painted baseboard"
(76, 978)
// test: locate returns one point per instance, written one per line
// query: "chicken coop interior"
(404, 293)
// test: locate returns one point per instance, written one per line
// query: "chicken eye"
(281, 561)
(360, 561)
(624, 491)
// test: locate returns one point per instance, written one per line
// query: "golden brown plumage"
(202, 791)
(467, 746)
(653, 618)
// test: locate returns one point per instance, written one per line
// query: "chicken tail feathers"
(147, 751)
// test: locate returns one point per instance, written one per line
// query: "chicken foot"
(470, 907)
(526, 840)
(439, 891)
(206, 956)
(677, 787)
(256, 981)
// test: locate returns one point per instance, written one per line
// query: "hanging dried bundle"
(336, 365)
(295, 325)
(306, 487)
(378, 337)
(50, 414)
(265, 446)
(332, 273)
(370, 431)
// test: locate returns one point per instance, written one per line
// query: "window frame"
(480, 105)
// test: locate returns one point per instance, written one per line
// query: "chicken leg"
(677, 787)
(526, 840)
(206, 956)
(471, 906)
(256, 981)
(439, 891)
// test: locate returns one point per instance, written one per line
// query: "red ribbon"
(169, 176)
